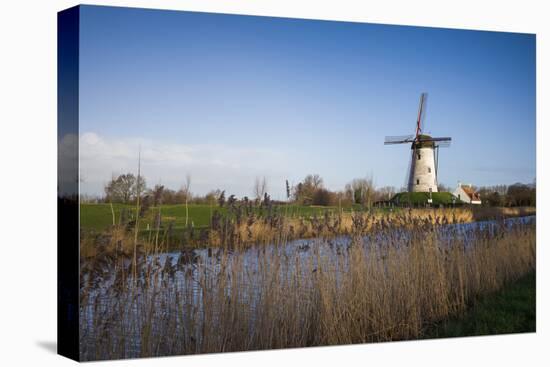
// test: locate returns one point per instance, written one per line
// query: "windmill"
(422, 175)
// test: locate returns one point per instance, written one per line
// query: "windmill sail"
(398, 139)
(443, 144)
(421, 114)
(429, 138)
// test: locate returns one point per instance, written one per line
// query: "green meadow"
(509, 310)
(99, 217)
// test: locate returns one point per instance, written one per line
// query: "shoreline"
(231, 233)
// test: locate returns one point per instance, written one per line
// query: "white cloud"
(229, 168)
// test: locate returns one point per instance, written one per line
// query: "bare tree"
(386, 192)
(314, 181)
(361, 190)
(443, 188)
(287, 186)
(187, 191)
(138, 189)
(260, 188)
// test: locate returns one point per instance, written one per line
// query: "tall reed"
(388, 285)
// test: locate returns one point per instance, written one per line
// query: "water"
(304, 248)
(188, 276)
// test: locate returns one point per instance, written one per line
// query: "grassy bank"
(510, 310)
(99, 217)
(238, 227)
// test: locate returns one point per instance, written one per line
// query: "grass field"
(510, 310)
(99, 217)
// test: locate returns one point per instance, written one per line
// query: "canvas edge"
(68, 26)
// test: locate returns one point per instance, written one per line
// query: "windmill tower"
(424, 153)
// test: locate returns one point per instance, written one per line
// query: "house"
(467, 194)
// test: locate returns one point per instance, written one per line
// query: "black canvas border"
(68, 248)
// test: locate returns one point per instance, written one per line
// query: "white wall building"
(467, 194)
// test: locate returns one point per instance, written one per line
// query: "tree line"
(309, 191)
(361, 191)
(518, 194)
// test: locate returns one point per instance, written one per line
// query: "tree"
(305, 191)
(490, 196)
(385, 193)
(342, 198)
(156, 194)
(120, 189)
(146, 202)
(299, 193)
(186, 189)
(168, 196)
(260, 188)
(124, 188)
(212, 196)
(442, 188)
(315, 181)
(362, 191)
(521, 195)
(323, 197)
(221, 199)
(287, 190)
(493, 199)
(267, 200)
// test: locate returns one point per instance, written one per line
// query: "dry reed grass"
(389, 287)
(279, 228)
(330, 225)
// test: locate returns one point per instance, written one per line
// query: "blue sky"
(229, 98)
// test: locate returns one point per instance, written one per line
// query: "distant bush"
(323, 197)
